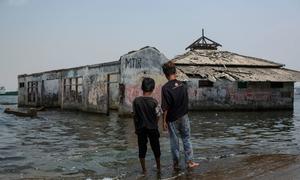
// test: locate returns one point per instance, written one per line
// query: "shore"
(272, 166)
(275, 166)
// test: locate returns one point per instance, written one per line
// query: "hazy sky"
(39, 35)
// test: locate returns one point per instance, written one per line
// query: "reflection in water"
(74, 143)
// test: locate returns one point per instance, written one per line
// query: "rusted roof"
(241, 73)
(221, 58)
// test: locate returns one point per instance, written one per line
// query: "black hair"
(169, 68)
(148, 84)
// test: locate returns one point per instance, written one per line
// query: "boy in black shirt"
(175, 107)
(146, 115)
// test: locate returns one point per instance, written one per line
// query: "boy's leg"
(185, 131)
(155, 146)
(143, 165)
(174, 143)
(142, 143)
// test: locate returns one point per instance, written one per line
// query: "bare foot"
(158, 170)
(144, 173)
(192, 164)
(176, 165)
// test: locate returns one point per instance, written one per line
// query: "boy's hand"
(164, 122)
(165, 126)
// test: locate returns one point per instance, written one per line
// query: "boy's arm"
(164, 122)
(165, 105)
(158, 112)
(134, 114)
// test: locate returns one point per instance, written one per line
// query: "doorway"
(113, 91)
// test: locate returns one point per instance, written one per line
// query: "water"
(8, 100)
(75, 144)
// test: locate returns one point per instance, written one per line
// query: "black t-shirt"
(145, 113)
(174, 99)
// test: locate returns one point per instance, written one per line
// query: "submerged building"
(217, 80)
(94, 88)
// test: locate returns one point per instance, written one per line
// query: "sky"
(40, 35)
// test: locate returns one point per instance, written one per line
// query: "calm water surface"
(63, 143)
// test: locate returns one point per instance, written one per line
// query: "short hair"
(148, 84)
(169, 68)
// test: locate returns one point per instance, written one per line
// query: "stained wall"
(135, 66)
(82, 88)
(228, 95)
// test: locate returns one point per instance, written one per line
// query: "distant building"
(2, 90)
(216, 80)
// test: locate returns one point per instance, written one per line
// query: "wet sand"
(239, 167)
(277, 166)
(249, 167)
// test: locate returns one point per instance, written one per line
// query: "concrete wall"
(114, 99)
(97, 88)
(49, 89)
(136, 65)
(83, 88)
(70, 99)
(40, 89)
(226, 95)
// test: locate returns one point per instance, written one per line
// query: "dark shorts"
(153, 136)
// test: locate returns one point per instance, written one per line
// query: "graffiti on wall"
(97, 93)
(218, 94)
(230, 94)
(133, 63)
(52, 76)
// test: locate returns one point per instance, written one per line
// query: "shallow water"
(8, 100)
(68, 143)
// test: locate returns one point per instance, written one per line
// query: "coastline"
(267, 166)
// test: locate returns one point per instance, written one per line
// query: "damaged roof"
(240, 73)
(214, 64)
(221, 58)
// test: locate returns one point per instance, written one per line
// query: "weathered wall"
(114, 81)
(136, 65)
(31, 92)
(226, 95)
(114, 85)
(40, 89)
(82, 88)
(70, 98)
(50, 89)
(97, 87)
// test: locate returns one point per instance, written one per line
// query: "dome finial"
(204, 43)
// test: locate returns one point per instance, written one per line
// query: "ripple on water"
(63, 142)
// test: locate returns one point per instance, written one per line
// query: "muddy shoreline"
(272, 166)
